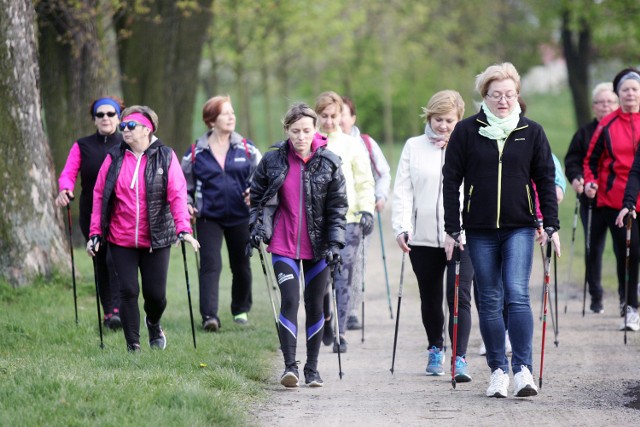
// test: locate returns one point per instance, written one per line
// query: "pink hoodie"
(129, 225)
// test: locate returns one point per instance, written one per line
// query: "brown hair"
(212, 108)
(296, 112)
(349, 103)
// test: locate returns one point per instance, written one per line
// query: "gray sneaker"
(157, 339)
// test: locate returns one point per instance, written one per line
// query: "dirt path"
(588, 378)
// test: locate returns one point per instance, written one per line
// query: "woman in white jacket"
(418, 223)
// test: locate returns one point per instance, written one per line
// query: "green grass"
(53, 372)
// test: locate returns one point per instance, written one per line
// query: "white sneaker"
(523, 384)
(483, 349)
(632, 320)
(499, 384)
(507, 344)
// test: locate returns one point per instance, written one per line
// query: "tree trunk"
(78, 64)
(160, 64)
(578, 59)
(31, 230)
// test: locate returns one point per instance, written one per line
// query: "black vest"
(163, 229)
(93, 150)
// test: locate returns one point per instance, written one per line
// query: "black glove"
(332, 256)
(257, 235)
(94, 244)
(366, 221)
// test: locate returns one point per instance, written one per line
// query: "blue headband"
(106, 101)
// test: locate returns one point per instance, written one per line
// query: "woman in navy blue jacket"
(218, 169)
(497, 153)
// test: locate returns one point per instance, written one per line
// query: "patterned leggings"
(316, 279)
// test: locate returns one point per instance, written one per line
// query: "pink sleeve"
(98, 190)
(69, 174)
(177, 196)
(535, 197)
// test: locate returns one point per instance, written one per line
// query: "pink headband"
(140, 118)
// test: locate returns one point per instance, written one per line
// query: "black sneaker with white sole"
(157, 339)
(312, 378)
(290, 376)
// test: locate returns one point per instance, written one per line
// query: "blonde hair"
(328, 98)
(443, 102)
(145, 111)
(497, 72)
(603, 87)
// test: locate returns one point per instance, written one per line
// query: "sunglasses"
(109, 114)
(129, 125)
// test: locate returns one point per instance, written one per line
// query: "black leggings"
(107, 281)
(210, 235)
(619, 238)
(593, 262)
(316, 280)
(153, 271)
(429, 265)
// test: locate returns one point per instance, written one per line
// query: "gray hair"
(144, 110)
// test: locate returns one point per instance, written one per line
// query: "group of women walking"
(466, 191)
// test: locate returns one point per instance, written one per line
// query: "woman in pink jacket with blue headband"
(85, 158)
(140, 208)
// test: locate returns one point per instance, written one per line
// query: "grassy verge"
(53, 372)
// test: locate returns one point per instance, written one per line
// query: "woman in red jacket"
(606, 171)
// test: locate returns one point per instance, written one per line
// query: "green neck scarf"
(498, 128)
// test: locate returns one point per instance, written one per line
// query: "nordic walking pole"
(186, 276)
(363, 244)
(395, 335)
(95, 276)
(73, 263)
(556, 324)
(267, 279)
(547, 277)
(195, 236)
(542, 293)
(454, 344)
(588, 251)
(384, 262)
(573, 247)
(337, 322)
(626, 269)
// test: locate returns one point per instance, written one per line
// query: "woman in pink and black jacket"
(139, 206)
(298, 206)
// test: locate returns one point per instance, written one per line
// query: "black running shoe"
(157, 338)
(343, 345)
(133, 348)
(312, 378)
(327, 333)
(112, 321)
(290, 376)
(353, 323)
(211, 324)
(596, 306)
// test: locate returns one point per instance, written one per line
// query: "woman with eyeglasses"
(603, 101)
(218, 169)
(140, 209)
(608, 171)
(85, 158)
(497, 153)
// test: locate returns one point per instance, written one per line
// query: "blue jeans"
(502, 260)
